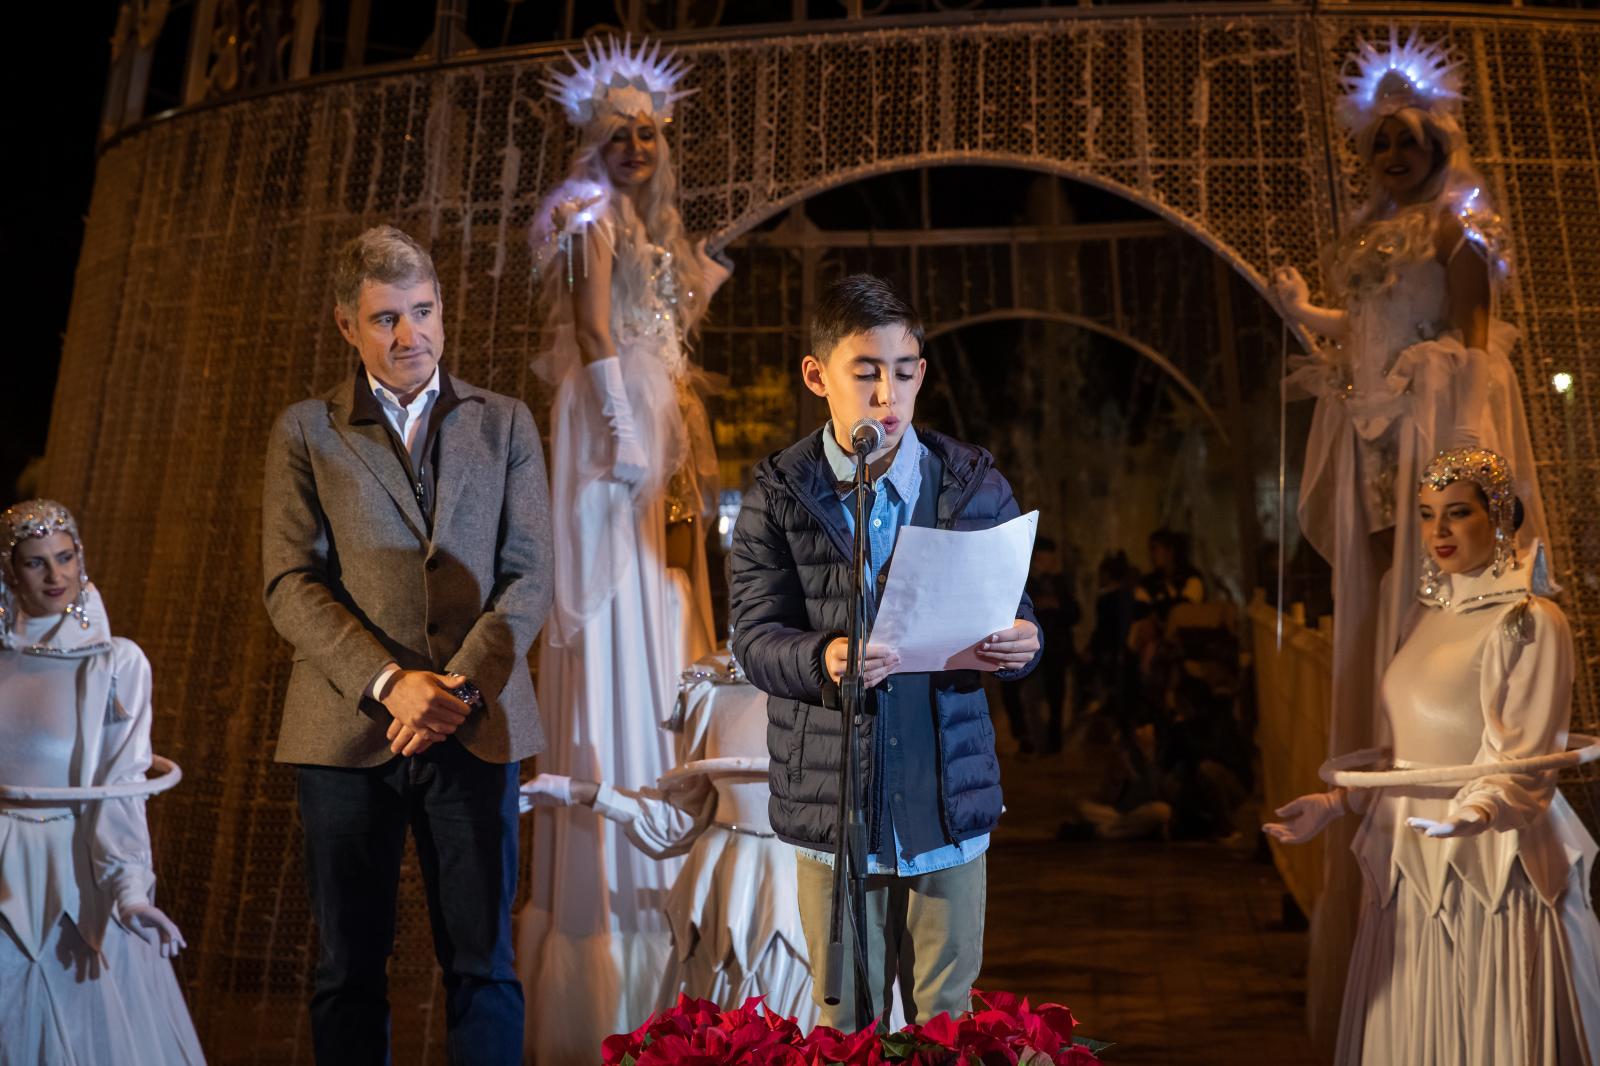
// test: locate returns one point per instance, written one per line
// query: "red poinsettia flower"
(673, 1050)
(827, 1045)
(776, 1055)
(941, 1030)
(1003, 1032)
(1059, 1019)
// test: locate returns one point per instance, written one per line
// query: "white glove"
(1461, 822)
(629, 464)
(546, 790)
(150, 923)
(1290, 288)
(1305, 817)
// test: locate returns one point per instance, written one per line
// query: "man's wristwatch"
(467, 693)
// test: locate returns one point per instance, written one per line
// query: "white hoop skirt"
(72, 1008)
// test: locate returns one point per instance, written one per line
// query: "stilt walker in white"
(1416, 359)
(631, 454)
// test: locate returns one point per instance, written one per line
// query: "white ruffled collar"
(62, 636)
(1464, 592)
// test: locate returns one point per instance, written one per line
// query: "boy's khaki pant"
(925, 930)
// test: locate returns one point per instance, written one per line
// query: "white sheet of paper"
(948, 590)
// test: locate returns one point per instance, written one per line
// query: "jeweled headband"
(1492, 474)
(36, 518)
(32, 520)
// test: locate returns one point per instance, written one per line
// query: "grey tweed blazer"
(355, 578)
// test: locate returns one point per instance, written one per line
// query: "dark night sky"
(52, 110)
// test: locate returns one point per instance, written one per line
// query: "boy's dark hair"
(859, 303)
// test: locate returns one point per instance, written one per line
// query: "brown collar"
(365, 408)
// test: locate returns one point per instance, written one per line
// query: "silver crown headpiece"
(614, 78)
(1409, 73)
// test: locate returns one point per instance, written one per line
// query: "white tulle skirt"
(71, 1007)
(594, 940)
(1464, 985)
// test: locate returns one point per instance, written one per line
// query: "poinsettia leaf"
(1092, 1044)
(900, 1045)
(1033, 1057)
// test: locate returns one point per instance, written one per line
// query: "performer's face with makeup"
(1401, 161)
(398, 330)
(633, 153)
(47, 574)
(1456, 527)
(875, 374)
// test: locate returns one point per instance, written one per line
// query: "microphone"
(867, 436)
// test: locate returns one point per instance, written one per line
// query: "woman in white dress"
(1477, 943)
(630, 448)
(84, 952)
(733, 911)
(1416, 358)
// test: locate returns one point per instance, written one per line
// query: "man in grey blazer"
(406, 544)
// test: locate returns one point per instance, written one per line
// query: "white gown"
(734, 913)
(1480, 950)
(1400, 389)
(593, 939)
(79, 989)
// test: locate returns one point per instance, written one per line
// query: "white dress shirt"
(407, 421)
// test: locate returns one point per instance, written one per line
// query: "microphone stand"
(850, 830)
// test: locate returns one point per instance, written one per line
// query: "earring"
(1505, 551)
(1429, 584)
(79, 607)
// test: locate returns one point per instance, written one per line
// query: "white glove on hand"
(1305, 817)
(629, 464)
(1290, 288)
(150, 923)
(546, 790)
(1461, 822)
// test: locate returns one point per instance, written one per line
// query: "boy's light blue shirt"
(894, 500)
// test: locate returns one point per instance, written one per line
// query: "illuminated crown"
(614, 79)
(1412, 73)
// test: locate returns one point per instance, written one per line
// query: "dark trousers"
(463, 813)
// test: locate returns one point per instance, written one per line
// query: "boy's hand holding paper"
(950, 602)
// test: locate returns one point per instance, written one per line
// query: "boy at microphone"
(930, 776)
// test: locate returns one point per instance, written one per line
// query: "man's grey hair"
(383, 254)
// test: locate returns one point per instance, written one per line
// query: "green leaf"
(1093, 1045)
(899, 1045)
